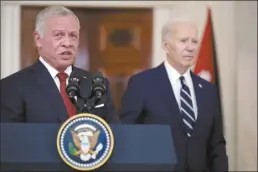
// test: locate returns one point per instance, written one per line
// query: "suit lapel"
(170, 100)
(49, 90)
(169, 97)
(200, 102)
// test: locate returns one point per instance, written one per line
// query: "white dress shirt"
(53, 72)
(174, 76)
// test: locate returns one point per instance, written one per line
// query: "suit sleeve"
(12, 109)
(132, 102)
(112, 114)
(218, 157)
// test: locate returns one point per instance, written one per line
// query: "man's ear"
(165, 46)
(37, 39)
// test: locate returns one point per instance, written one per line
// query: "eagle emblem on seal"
(85, 142)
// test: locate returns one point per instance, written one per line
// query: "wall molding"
(112, 4)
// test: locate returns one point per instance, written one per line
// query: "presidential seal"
(85, 142)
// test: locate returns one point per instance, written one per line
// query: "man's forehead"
(59, 22)
(184, 25)
(182, 28)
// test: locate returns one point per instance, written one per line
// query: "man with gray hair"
(38, 92)
(172, 94)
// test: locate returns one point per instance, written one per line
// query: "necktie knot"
(62, 76)
(182, 80)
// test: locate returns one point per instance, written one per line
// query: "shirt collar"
(53, 72)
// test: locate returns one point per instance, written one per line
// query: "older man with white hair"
(172, 94)
(38, 92)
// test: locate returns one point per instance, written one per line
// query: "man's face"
(181, 46)
(60, 40)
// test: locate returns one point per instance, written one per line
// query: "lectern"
(32, 147)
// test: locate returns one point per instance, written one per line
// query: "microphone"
(85, 92)
(98, 85)
(73, 89)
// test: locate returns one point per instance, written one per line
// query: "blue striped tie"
(186, 108)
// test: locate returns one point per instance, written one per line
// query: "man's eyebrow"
(57, 30)
(74, 32)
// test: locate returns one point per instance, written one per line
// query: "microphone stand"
(85, 105)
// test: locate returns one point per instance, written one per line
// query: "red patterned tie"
(71, 110)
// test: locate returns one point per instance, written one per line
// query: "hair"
(167, 27)
(49, 12)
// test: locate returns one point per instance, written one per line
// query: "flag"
(206, 62)
(206, 65)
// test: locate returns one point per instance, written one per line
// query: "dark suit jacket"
(31, 95)
(149, 99)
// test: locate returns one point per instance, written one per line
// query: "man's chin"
(67, 57)
(67, 60)
(187, 64)
(64, 65)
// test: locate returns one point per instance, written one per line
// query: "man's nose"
(191, 47)
(66, 42)
(190, 50)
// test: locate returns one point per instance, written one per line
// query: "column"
(10, 38)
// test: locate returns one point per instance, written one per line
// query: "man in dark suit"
(171, 94)
(37, 93)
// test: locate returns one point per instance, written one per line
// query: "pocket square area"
(100, 105)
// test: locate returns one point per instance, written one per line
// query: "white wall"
(246, 48)
(235, 34)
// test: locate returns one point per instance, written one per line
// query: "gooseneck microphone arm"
(98, 89)
(73, 91)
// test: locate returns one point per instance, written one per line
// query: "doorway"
(114, 41)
